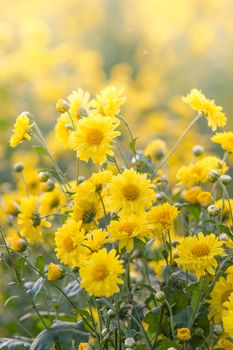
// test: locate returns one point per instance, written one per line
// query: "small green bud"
(18, 167)
(111, 313)
(104, 332)
(43, 176)
(75, 269)
(198, 150)
(225, 179)
(213, 176)
(217, 329)
(130, 342)
(198, 331)
(49, 185)
(159, 295)
(213, 210)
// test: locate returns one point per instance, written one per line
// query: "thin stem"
(178, 142)
(115, 161)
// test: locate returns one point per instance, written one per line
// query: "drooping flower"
(197, 254)
(68, 240)
(20, 130)
(94, 138)
(130, 191)
(225, 139)
(101, 273)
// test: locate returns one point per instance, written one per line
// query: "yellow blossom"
(20, 130)
(54, 272)
(225, 139)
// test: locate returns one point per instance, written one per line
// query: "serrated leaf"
(40, 263)
(40, 150)
(132, 145)
(68, 334)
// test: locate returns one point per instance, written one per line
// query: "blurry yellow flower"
(225, 139)
(156, 149)
(205, 198)
(51, 202)
(100, 274)
(68, 240)
(108, 102)
(54, 272)
(227, 316)
(83, 346)
(79, 102)
(197, 254)
(183, 334)
(191, 194)
(15, 242)
(226, 206)
(220, 293)
(161, 217)
(93, 138)
(127, 228)
(29, 220)
(32, 181)
(63, 130)
(20, 130)
(198, 102)
(130, 191)
(157, 267)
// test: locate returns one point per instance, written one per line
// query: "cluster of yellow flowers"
(123, 225)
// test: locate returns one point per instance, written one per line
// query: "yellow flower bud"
(54, 272)
(183, 334)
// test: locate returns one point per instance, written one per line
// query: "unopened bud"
(159, 295)
(26, 113)
(198, 331)
(213, 210)
(18, 167)
(213, 176)
(49, 186)
(62, 106)
(198, 150)
(43, 176)
(111, 313)
(130, 342)
(217, 329)
(104, 332)
(225, 179)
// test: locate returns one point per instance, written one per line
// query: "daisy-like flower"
(130, 191)
(108, 102)
(205, 199)
(93, 241)
(68, 240)
(93, 138)
(197, 254)
(127, 228)
(54, 272)
(225, 139)
(79, 102)
(63, 130)
(156, 149)
(227, 316)
(20, 130)
(219, 295)
(52, 201)
(101, 273)
(191, 194)
(161, 217)
(198, 102)
(29, 220)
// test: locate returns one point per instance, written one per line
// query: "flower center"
(100, 272)
(201, 249)
(68, 244)
(128, 227)
(131, 192)
(94, 137)
(35, 219)
(226, 294)
(88, 216)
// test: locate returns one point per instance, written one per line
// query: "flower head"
(197, 254)
(54, 272)
(156, 149)
(183, 334)
(93, 138)
(79, 101)
(63, 130)
(20, 130)
(225, 139)
(130, 191)
(101, 273)
(108, 102)
(161, 217)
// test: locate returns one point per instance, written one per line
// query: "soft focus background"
(157, 50)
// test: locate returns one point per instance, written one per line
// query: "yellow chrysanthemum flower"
(108, 102)
(93, 241)
(93, 138)
(32, 181)
(161, 217)
(227, 316)
(79, 102)
(127, 228)
(63, 130)
(100, 274)
(51, 202)
(130, 191)
(198, 102)
(197, 254)
(156, 149)
(20, 130)
(183, 334)
(68, 240)
(225, 139)
(220, 293)
(83, 346)
(205, 199)
(29, 220)
(191, 194)
(54, 272)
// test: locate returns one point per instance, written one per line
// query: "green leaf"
(7, 302)
(67, 334)
(40, 150)
(40, 264)
(19, 264)
(167, 343)
(132, 145)
(165, 254)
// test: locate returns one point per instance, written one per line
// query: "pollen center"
(225, 296)
(128, 227)
(94, 137)
(68, 244)
(201, 249)
(131, 192)
(100, 272)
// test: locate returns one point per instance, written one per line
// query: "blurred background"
(157, 50)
